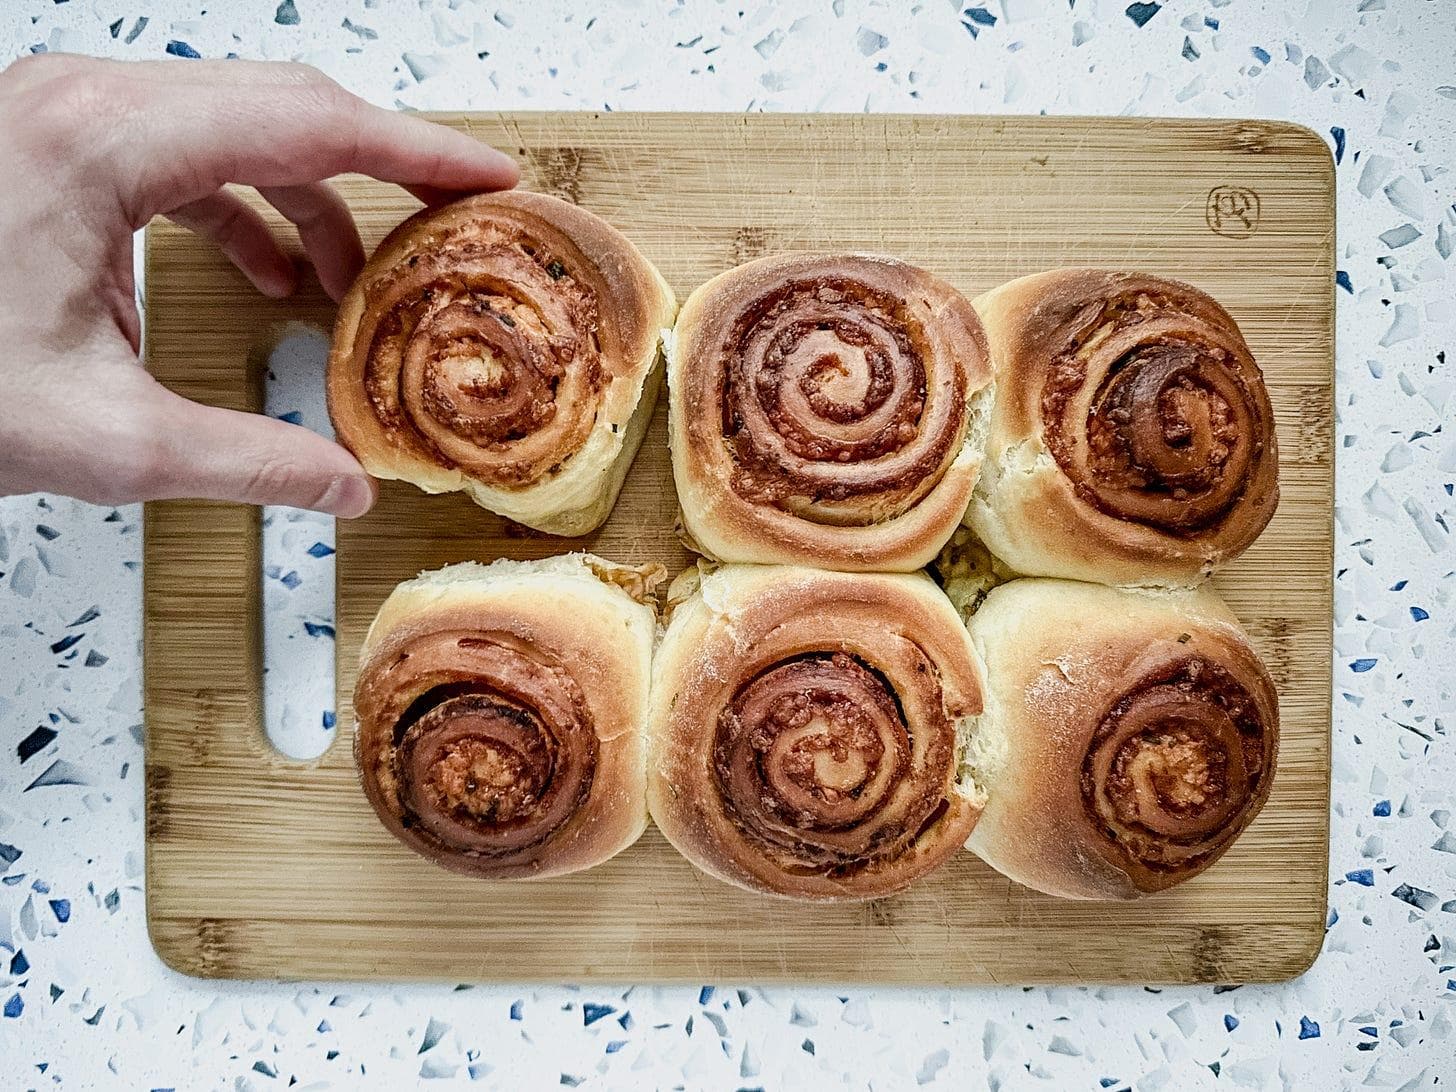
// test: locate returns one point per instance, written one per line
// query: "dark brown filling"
(825, 400)
(814, 761)
(477, 743)
(475, 759)
(1176, 765)
(483, 354)
(1173, 431)
(1186, 773)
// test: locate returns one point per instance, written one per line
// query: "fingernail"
(347, 497)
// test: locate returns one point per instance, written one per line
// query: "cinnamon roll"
(505, 345)
(825, 410)
(1129, 736)
(500, 713)
(807, 729)
(1132, 441)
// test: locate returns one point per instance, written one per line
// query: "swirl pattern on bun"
(1132, 440)
(825, 411)
(500, 713)
(1130, 737)
(505, 345)
(808, 727)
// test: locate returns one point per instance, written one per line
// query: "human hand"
(93, 150)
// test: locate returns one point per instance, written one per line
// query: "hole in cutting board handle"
(298, 567)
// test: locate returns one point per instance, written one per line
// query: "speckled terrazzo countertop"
(84, 1003)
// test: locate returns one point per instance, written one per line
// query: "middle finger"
(325, 228)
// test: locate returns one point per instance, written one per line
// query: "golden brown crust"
(500, 714)
(1132, 441)
(805, 732)
(824, 410)
(505, 345)
(1129, 737)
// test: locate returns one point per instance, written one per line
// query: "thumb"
(219, 454)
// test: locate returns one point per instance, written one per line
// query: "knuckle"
(275, 480)
(333, 100)
(303, 74)
(319, 206)
(21, 72)
(313, 85)
(78, 106)
(229, 226)
(132, 440)
(136, 469)
(75, 92)
(34, 67)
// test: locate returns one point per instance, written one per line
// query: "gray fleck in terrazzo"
(85, 1004)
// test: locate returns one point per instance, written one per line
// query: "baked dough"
(826, 410)
(506, 345)
(500, 713)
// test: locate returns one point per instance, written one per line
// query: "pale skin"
(92, 150)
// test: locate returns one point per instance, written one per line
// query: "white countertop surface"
(84, 1002)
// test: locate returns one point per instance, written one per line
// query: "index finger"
(205, 123)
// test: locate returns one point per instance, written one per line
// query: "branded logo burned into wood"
(558, 171)
(1232, 211)
(749, 243)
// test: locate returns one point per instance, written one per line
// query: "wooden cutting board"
(259, 866)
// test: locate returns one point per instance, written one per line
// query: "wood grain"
(258, 866)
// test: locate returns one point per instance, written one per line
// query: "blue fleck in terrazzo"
(85, 1004)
